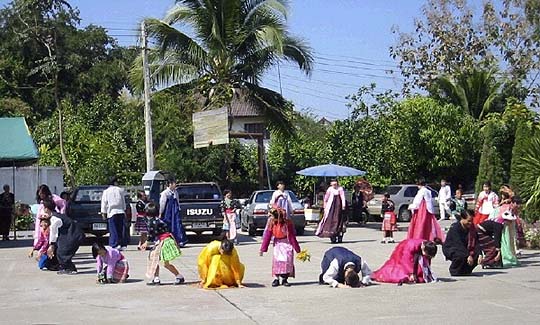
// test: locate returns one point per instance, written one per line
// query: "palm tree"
(526, 174)
(475, 91)
(222, 52)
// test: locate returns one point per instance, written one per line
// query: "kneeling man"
(342, 268)
(462, 247)
(219, 266)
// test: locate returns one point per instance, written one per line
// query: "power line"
(316, 90)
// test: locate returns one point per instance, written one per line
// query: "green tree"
(223, 50)
(526, 177)
(475, 91)
(455, 36)
(525, 132)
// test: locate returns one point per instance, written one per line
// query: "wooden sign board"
(210, 128)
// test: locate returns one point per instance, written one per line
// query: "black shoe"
(340, 239)
(178, 281)
(285, 283)
(275, 283)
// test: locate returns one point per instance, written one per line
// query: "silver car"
(254, 215)
(402, 195)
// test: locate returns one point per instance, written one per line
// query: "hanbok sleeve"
(330, 274)
(237, 267)
(273, 198)
(203, 262)
(267, 235)
(113, 256)
(417, 200)
(326, 197)
(342, 196)
(99, 264)
(60, 204)
(366, 273)
(56, 223)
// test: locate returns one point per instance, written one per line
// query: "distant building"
(325, 122)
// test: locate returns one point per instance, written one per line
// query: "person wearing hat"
(113, 207)
(462, 246)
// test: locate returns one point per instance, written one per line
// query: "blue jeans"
(43, 261)
(117, 230)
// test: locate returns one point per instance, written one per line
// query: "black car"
(200, 207)
(85, 207)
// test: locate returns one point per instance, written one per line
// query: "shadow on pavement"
(304, 283)
(16, 243)
(447, 279)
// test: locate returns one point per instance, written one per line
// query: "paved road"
(30, 296)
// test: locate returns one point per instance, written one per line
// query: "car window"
(410, 191)
(199, 192)
(89, 195)
(393, 190)
(264, 197)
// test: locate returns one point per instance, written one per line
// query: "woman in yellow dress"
(219, 266)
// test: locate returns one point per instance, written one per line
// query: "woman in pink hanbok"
(43, 192)
(333, 223)
(423, 224)
(410, 262)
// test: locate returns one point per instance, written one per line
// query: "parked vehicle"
(85, 207)
(470, 198)
(200, 207)
(402, 195)
(255, 213)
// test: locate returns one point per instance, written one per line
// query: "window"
(411, 191)
(257, 128)
(198, 192)
(393, 190)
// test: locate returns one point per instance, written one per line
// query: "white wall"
(27, 180)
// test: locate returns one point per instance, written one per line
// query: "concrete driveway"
(31, 296)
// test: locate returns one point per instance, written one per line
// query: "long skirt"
(221, 272)
(165, 250)
(231, 225)
(489, 237)
(479, 218)
(121, 271)
(389, 222)
(140, 225)
(333, 224)
(283, 259)
(508, 245)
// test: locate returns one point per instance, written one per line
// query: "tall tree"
(454, 37)
(223, 49)
(475, 91)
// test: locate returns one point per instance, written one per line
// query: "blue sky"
(350, 39)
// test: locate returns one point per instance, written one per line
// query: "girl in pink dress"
(281, 229)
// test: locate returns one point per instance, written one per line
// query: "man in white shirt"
(445, 195)
(113, 207)
(341, 268)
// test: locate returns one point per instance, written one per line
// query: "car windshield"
(393, 190)
(264, 197)
(199, 192)
(89, 195)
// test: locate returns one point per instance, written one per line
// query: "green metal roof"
(16, 144)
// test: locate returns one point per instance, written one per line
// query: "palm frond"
(275, 109)
(169, 38)
(297, 51)
(252, 8)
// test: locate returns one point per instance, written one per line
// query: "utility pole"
(147, 112)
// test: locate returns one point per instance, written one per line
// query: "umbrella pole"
(14, 219)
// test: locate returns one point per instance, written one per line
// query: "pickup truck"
(85, 205)
(200, 207)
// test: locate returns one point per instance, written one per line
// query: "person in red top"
(281, 229)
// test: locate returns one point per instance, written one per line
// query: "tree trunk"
(61, 134)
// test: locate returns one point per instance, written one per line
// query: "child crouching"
(165, 248)
(112, 266)
(281, 229)
(42, 245)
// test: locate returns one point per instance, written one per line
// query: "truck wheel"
(217, 232)
(404, 214)
(252, 231)
(243, 226)
(300, 231)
